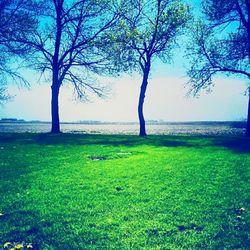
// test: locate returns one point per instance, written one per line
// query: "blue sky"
(165, 99)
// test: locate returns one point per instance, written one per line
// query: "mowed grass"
(124, 192)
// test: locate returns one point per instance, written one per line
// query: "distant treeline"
(234, 124)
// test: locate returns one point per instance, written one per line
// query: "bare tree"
(220, 44)
(66, 45)
(148, 30)
(16, 21)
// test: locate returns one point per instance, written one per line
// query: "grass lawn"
(123, 192)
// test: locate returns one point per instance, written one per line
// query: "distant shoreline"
(153, 127)
(232, 123)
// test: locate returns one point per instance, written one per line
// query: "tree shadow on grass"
(235, 144)
(234, 230)
(26, 227)
(8, 171)
(89, 139)
(239, 145)
(23, 227)
(10, 137)
(113, 140)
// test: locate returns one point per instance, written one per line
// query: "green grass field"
(124, 192)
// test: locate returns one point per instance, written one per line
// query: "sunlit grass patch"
(124, 192)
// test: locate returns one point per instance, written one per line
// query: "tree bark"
(55, 71)
(248, 116)
(141, 100)
(248, 28)
(248, 34)
(55, 109)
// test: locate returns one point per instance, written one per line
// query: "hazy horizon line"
(149, 121)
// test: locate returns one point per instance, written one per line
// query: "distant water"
(196, 128)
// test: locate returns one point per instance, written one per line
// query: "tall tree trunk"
(55, 70)
(55, 109)
(248, 36)
(248, 116)
(141, 100)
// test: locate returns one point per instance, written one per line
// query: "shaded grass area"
(71, 191)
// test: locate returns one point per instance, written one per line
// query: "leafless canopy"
(221, 44)
(66, 43)
(16, 22)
